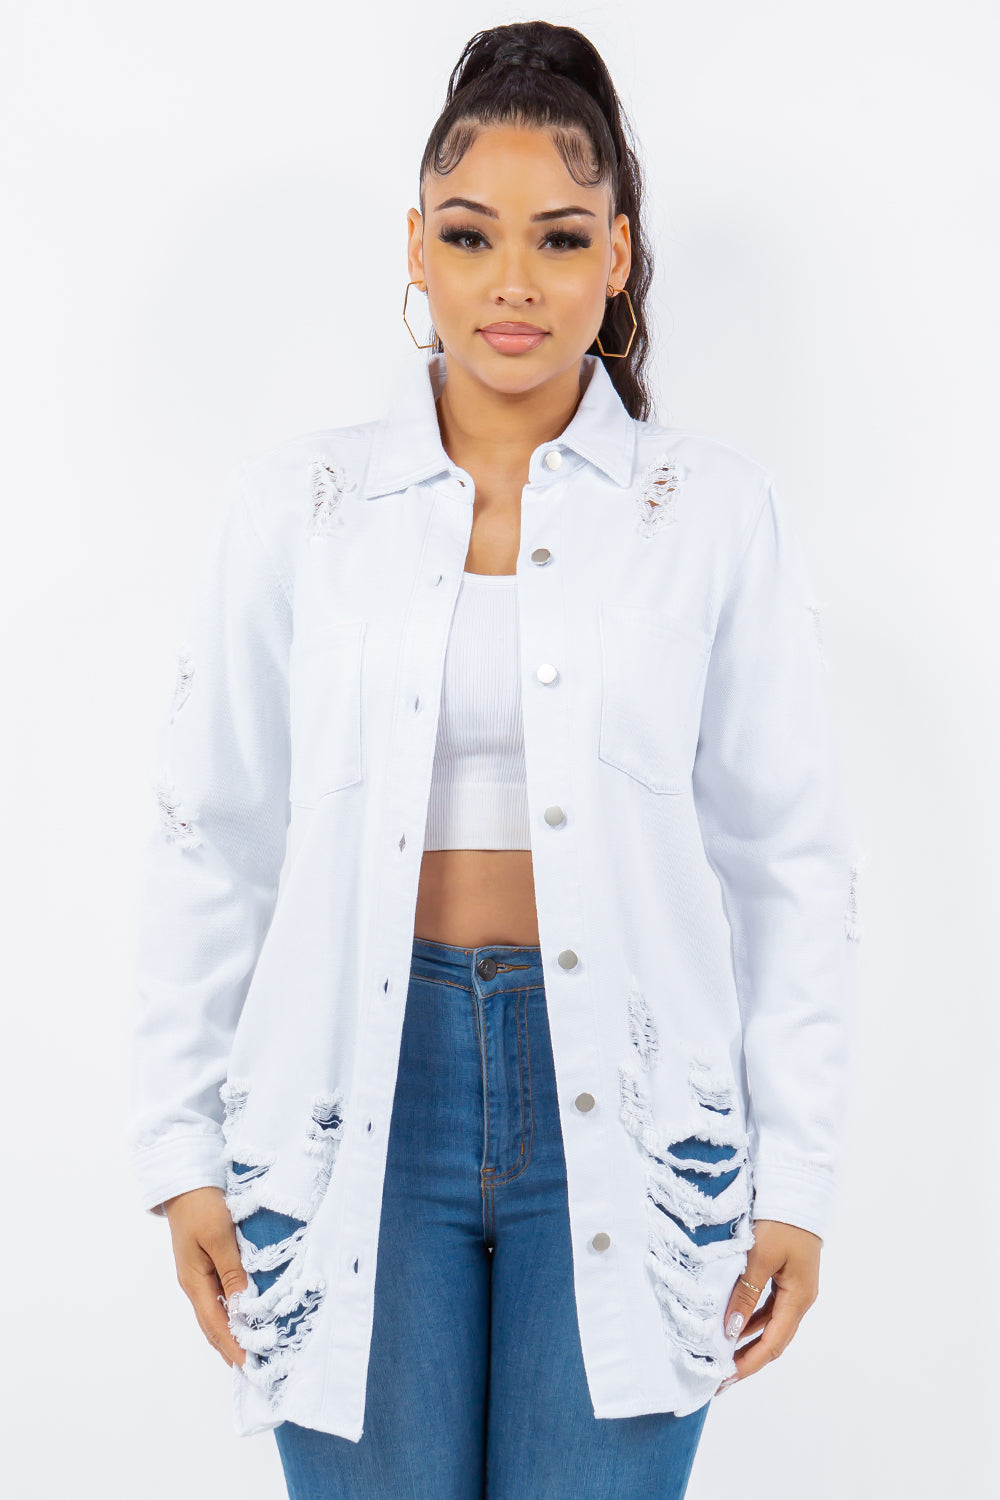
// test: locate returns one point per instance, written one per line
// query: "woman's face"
(510, 238)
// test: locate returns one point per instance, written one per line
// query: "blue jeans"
(476, 1383)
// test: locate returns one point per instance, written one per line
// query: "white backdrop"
(204, 254)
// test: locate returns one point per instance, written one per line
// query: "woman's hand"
(790, 1257)
(208, 1262)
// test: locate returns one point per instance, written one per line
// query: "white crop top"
(478, 796)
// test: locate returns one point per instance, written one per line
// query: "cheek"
(581, 297)
(453, 287)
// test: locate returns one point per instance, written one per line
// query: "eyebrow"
(491, 213)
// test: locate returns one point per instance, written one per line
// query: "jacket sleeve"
(212, 863)
(769, 798)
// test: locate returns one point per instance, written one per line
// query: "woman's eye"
(567, 240)
(455, 236)
(572, 240)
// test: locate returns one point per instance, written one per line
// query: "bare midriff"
(472, 897)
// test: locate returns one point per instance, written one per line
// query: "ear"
(621, 250)
(414, 245)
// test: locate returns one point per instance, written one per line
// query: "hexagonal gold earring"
(408, 328)
(607, 352)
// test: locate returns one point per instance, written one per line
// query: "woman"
(480, 1122)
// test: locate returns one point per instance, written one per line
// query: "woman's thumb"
(232, 1277)
(229, 1267)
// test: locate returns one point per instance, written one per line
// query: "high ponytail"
(535, 74)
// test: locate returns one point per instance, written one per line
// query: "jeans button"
(486, 968)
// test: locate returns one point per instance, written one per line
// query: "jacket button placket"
(428, 621)
(547, 673)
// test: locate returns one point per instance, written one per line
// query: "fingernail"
(726, 1384)
(734, 1325)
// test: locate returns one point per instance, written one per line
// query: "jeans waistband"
(496, 966)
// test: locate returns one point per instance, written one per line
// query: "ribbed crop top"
(478, 796)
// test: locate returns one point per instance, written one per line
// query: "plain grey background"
(204, 254)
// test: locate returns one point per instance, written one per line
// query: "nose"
(514, 284)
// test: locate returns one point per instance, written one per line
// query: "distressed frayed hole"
(689, 1315)
(326, 1130)
(242, 1177)
(703, 1234)
(329, 484)
(178, 827)
(710, 1183)
(268, 1241)
(247, 1170)
(852, 917)
(696, 1206)
(275, 1322)
(272, 1325)
(642, 1027)
(722, 1150)
(274, 1314)
(657, 495)
(710, 1089)
(635, 1112)
(698, 1195)
(815, 608)
(327, 1117)
(182, 682)
(234, 1094)
(696, 1148)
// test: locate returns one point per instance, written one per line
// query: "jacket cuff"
(801, 1198)
(179, 1166)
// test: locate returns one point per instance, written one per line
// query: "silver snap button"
(553, 458)
(567, 959)
(554, 816)
(601, 1241)
(547, 672)
(541, 555)
(584, 1102)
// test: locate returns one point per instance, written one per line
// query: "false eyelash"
(451, 234)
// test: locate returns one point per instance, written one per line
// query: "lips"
(519, 328)
(513, 338)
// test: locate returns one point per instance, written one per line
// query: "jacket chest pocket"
(653, 678)
(324, 677)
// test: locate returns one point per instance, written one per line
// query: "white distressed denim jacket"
(692, 864)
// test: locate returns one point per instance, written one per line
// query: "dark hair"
(534, 74)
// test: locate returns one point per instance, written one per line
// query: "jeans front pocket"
(654, 667)
(325, 711)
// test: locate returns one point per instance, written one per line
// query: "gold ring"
(757, 1289)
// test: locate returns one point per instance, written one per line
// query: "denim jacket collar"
(408, 450)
